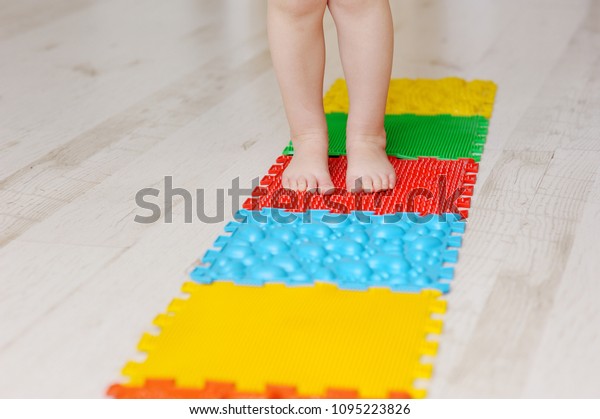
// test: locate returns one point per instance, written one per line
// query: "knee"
(299, 8)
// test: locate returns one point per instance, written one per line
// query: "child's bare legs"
(366, 37)
(298, 51)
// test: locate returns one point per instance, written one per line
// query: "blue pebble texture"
(404, 251)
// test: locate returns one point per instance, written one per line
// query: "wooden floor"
(99, 99)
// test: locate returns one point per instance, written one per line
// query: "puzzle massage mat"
(446, 118)
(425, 186)
(317, 340)
(403, 252)
(330, 296)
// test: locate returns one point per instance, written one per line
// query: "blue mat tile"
(403, 251)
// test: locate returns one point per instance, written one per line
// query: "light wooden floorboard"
(100, 99)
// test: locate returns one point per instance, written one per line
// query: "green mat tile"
(412, 136)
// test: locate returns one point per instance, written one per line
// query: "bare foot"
(309, 168)
(369, 168)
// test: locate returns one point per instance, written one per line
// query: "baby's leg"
(366, 39)
(298, 52)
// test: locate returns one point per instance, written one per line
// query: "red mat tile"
(424, 186)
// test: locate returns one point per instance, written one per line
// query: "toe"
(377, 184)
(292, 184)
(311, 184)
(353, 184)
(367, 184)
(285, 182)
(385, 183)
(326, 189)
(325, 185)
(392, 180)
(301, 182)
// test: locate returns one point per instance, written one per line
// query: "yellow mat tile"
(451, 96)
(314, 338)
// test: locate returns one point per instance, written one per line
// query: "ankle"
(366, 140)
(309, 134)
(317, 139)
